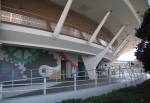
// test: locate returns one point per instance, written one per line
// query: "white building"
(65, 35)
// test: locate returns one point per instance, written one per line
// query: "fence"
(41, 85)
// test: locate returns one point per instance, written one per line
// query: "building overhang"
(23, 36)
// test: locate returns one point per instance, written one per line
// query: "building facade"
(65, 35)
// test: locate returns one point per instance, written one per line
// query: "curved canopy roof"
(124, 12)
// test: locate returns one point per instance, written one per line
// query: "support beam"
(91, 62)
(131, 7)
(122, 48)
(62, 19)
(99, 27)
(121, 45)
(110, 44)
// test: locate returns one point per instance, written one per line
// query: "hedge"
(138, 94)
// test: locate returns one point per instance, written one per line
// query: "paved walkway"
(69, 86)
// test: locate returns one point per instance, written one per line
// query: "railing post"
(56, 76)
(146, 75)
(109, 76)
(95, 78)
(98, 74)
(1, 91)
(12, 79)
(119, 71)
(85, 75)
(31, 77)
(44, 90)
(141, 76)
(96, 82)
(75, 81)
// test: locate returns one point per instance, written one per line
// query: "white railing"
(110, 75)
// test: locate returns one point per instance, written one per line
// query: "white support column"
(62, 19)
(99, 27)
(122, 48)
(91, 62)
(131, 7)
(121, 45)
(102, 54)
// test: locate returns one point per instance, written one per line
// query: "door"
(63, 69)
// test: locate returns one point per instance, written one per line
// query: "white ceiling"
(121, 14)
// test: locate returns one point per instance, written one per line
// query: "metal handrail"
(72, 83)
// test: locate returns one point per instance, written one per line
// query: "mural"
(49, 59)
(26, 56)
(16, 62)
(10, 70)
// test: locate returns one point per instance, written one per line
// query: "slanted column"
(121, 45)
(122, 48)
(62, 19)
(92, 61)
(131, 7)
(99, 27)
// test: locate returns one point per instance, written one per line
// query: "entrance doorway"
(81, 69)
(63, 69)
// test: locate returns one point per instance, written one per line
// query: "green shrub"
(138, 94)
(73, 101)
